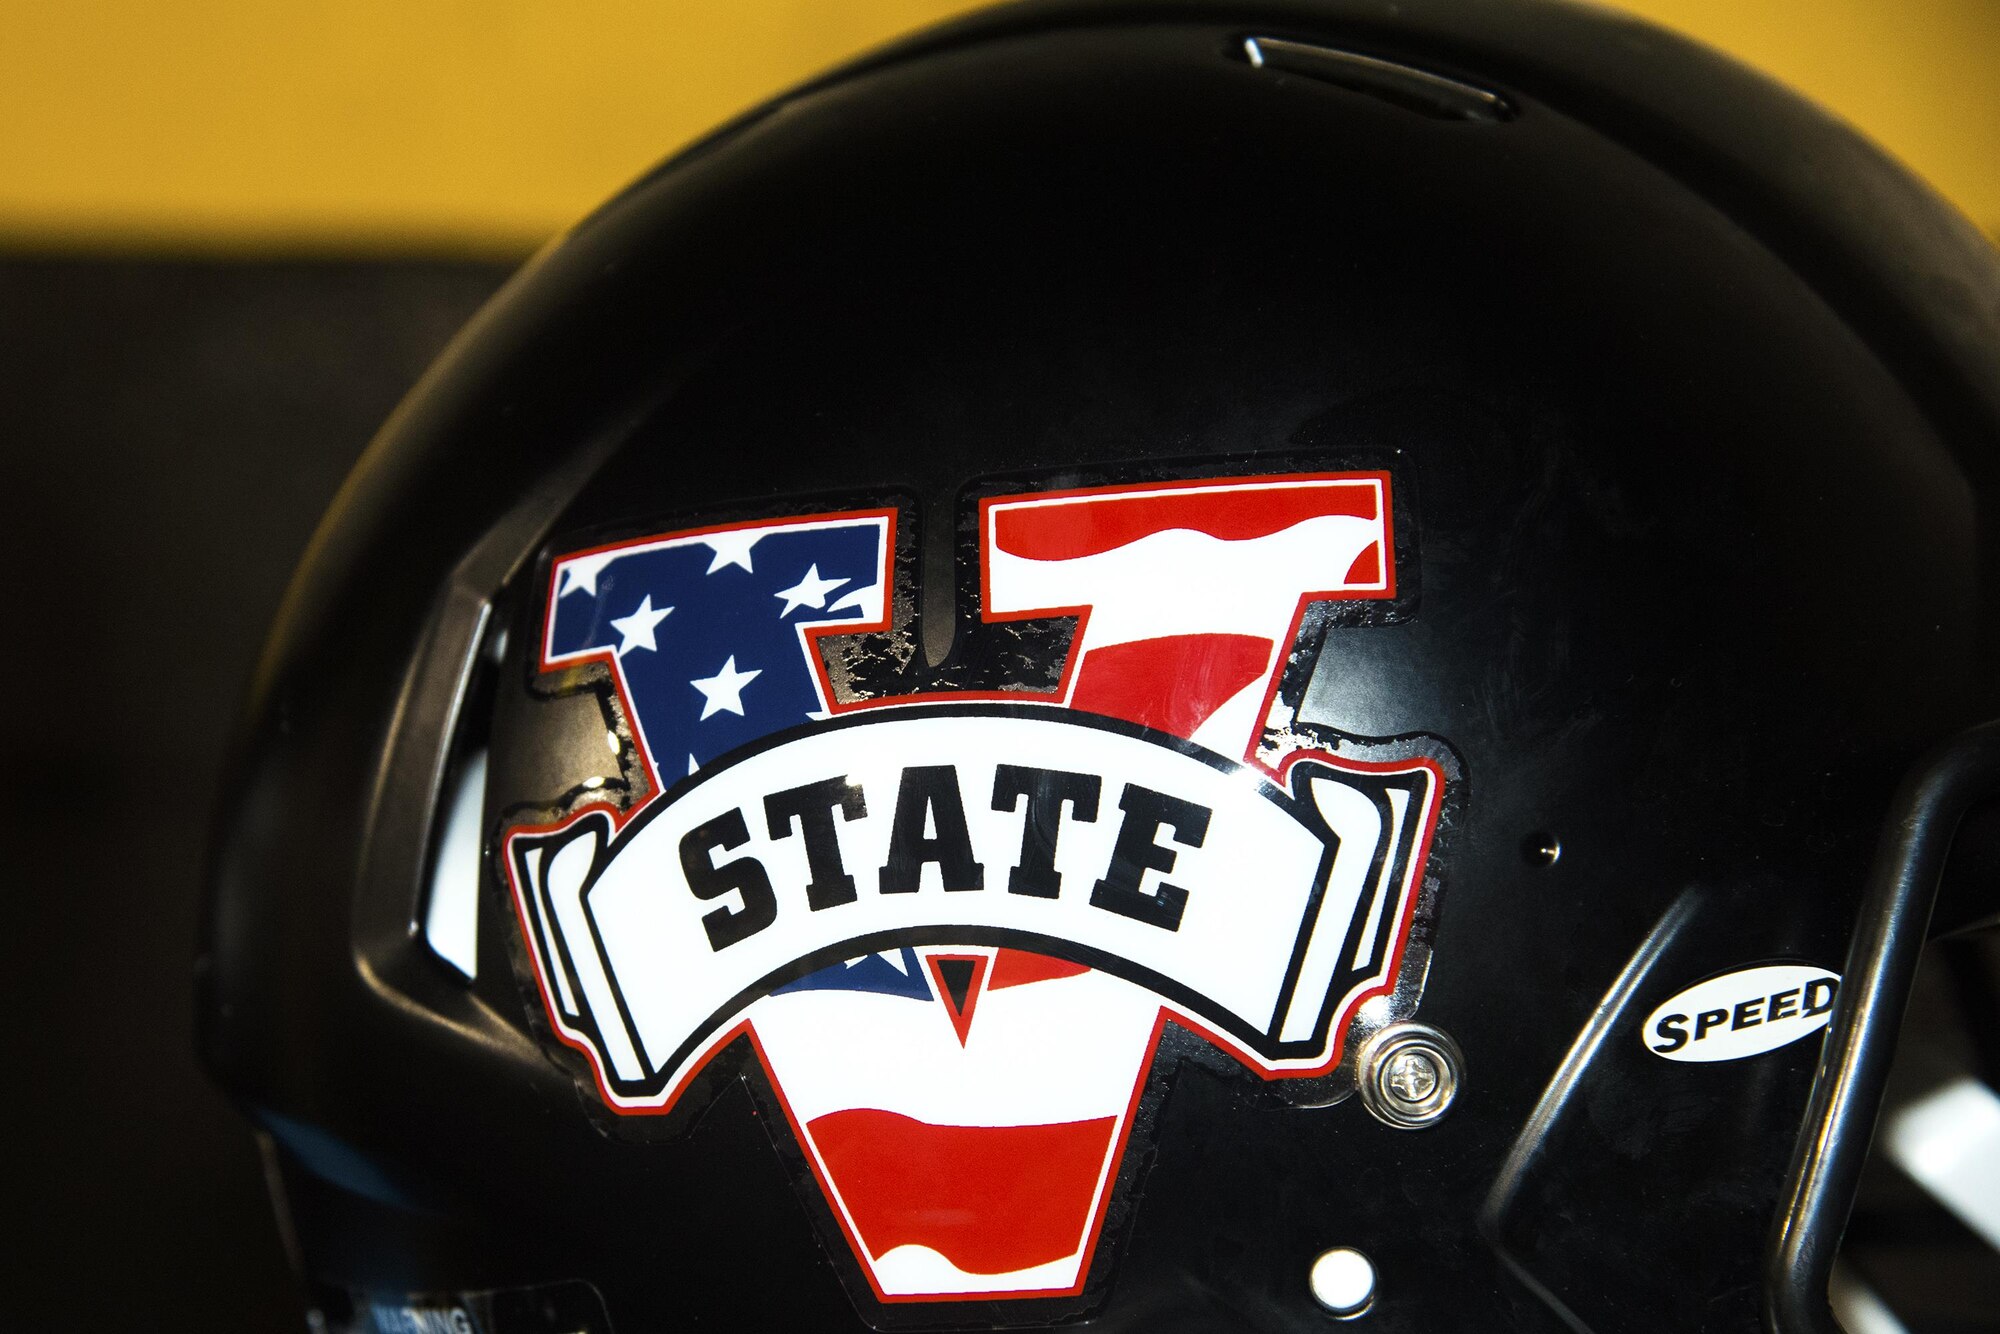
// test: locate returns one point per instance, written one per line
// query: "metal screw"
(1409, 1075)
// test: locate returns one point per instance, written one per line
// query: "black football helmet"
(1150, 666)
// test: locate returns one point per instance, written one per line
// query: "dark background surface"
(170, 433)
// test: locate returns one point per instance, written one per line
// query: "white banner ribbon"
(1257, 911)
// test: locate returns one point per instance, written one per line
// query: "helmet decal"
(954, 925)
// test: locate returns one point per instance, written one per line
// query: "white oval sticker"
(1744, 1013)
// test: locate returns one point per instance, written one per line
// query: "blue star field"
(706, 633)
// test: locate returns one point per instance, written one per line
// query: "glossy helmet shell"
(1690, 400)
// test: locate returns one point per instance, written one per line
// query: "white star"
(724, 691)
(894, 958)
(732, 549)
(810, 591)
(637, 629)
(582, 571)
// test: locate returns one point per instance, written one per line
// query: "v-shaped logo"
(954, 919)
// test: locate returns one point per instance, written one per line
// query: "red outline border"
(1411, 890)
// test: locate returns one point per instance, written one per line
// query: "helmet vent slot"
(447, 920)
(1405, 86)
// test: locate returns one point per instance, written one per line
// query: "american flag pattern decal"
(953, 926)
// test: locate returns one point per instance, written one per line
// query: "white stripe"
(919, 1269)
(1060, 1050)
(1180, 582)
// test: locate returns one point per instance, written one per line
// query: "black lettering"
(1831, 986)
(1146, 813)
(1672, 1027)
(1741, 1017)
(1784, 1005)
(929, 795)
(1046, 791)
(812, 806)
(745, 875)
(1706, 1020)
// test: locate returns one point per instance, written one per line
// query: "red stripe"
(991, 1199)
(1172, 683)
(1015, 968)
(1067, 530)
(1366, 570)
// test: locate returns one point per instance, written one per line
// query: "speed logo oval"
(1743, 1013)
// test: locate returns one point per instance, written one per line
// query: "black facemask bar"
(1854, 1064)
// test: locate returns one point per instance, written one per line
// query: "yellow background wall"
(482, 126)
